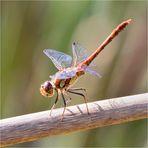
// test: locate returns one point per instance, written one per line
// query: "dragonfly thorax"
(64, 79)
(47, 89)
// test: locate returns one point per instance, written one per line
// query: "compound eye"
(46, 89)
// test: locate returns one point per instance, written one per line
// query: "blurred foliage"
(28, 27)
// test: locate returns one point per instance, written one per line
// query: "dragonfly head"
(47, 89)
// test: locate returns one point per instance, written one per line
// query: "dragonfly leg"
(56, 100)
(73, 89)
(69, 98)
(64, 105)
(70, 91)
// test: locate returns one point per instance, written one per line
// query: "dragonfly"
(72, 68)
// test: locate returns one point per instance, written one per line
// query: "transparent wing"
(79, 54)
(92, 72)
(65, 74)
(59, 59)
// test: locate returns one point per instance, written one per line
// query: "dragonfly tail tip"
(129, 21)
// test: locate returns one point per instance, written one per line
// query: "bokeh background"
(28, 27)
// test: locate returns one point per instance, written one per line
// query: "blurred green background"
(28, 27)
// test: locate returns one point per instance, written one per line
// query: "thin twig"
(102, 113)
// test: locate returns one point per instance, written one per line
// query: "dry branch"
(102, 113)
